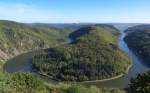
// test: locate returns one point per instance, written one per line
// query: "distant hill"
(137, 28)
(94, 55)
(16, 38)
(76, 26)
(70, 26)
(124, 26)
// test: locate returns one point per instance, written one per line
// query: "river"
(23, 63)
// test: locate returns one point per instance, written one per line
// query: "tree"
(140, 84)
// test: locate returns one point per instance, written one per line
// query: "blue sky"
(75, 11)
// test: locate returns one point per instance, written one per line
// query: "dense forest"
(16, 38)
(93, 56)
(138, 39)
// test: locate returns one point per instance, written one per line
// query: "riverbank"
(98, 81)
(115, 77)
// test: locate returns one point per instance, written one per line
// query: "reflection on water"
(23, 63)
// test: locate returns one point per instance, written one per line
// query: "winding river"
(23, 63)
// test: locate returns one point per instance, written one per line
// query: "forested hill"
(16, 38)
(84, 30)
(138, 39)
(93, 56)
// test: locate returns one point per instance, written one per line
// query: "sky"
(76, 11)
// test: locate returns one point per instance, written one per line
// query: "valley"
(97, 55)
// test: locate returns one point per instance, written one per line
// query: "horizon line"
(75, 22)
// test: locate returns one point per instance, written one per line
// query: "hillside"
(81, 31)
(94, 55)
(138, 39)
(16, 38)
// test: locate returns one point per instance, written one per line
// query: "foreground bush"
(27, 83)
(140, 84)
(75, 88)
(21, 83)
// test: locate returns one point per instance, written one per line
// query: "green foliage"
(93, 56)
(24, 82)
(76, 88)
(27, 83)
(5, 83)
(140, 84)
(2, 62)
(21, 83)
